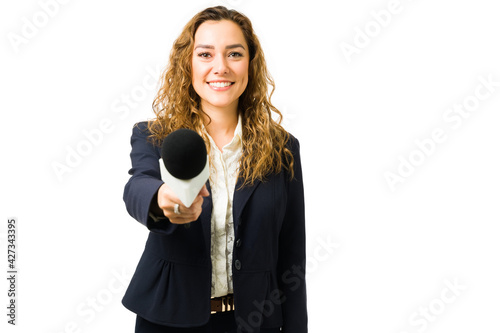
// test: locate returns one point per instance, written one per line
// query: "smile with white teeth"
(220, 84)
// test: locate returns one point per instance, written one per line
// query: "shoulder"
(293, 143)
(141, 128)
(142, 136)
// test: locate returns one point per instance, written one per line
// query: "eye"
(235, 54)
(204, 55)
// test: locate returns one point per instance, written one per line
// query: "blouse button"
(237, 264)
(238, 242)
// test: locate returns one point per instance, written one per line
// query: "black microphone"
(185, 164)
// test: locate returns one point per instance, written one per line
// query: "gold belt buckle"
(227, 304)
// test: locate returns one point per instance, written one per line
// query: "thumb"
(204, 191)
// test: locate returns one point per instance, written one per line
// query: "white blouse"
(223, 175)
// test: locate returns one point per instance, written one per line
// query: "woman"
(234, 261)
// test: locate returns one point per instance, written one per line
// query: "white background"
(388, 253)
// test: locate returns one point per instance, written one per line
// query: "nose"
(220, 65)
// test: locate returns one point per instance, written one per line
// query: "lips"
(220, 84)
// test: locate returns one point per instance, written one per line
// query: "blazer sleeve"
(292, 252)
(145, 180)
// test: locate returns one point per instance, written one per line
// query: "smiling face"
(220, 65)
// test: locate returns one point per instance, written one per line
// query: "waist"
(222, 304)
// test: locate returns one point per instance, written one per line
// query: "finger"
(188, 216)
(197, 202)
(176, 208)
(167, 196)
(184, 217)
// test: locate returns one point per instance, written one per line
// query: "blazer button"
(237, 264)
(238, 242)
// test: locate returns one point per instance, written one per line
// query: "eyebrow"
(232, 46)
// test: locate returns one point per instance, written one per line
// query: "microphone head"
(184, 153)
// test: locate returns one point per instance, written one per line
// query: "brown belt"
(222, 304)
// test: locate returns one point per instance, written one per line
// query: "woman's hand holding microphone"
(167, 202)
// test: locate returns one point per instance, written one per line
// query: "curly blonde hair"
(177, 105)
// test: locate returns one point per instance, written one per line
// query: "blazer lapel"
(206, 217)
(240, 199)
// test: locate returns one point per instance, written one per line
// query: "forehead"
(219, 33)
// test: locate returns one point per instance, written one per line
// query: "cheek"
(243, 72)
(195, 72)
(198, 77)
(198, 70)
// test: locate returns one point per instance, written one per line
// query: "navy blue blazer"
(172, 282)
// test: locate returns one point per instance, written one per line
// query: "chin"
(219, 103)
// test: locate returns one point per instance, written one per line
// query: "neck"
(221, 125)
(222, 121)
